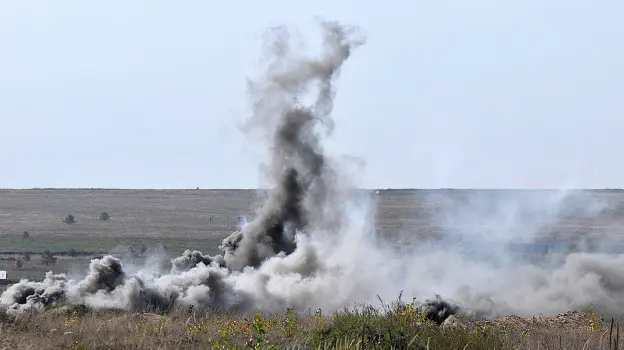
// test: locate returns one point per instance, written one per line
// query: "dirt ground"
(174, 220)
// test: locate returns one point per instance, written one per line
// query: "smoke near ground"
(311, 245)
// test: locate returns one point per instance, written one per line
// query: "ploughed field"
(169, 221)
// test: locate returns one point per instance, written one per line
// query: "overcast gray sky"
(470, 94)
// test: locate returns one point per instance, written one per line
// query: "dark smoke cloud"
(438, 310)
(305, 184)
(189, 259)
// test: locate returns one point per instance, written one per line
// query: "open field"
(392, 326)
(174, 220)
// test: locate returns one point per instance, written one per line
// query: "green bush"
(397, 326)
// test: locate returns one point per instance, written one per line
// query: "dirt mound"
(453, 322)
(569, 320)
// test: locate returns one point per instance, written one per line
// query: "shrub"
(69, 219)
(25, 234)
(104, 216)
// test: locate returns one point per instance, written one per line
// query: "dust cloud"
(313, 244)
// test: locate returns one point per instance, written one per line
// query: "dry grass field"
(400, 328)
(175, 220)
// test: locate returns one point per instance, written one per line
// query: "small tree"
(69, 219)
(47, 258)
(26, 257)
(25, 234)
(104, 216)
(19, 263)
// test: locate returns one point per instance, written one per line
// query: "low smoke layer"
(312, 246)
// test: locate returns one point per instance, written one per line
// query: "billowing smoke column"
(304, 198)
(305, 187)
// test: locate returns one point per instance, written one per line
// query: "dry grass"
(401, 327)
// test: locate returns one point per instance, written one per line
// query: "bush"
(69, 219)
(104, 216)
(19, 263)
(398, 326)
(25, 234)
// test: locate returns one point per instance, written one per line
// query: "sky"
(461, 94)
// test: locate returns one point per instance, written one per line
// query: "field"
(398, 328)
(174, 220)
(170, 221)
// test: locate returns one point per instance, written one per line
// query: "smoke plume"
(305, 186)
(305, 198)
(314, 245)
